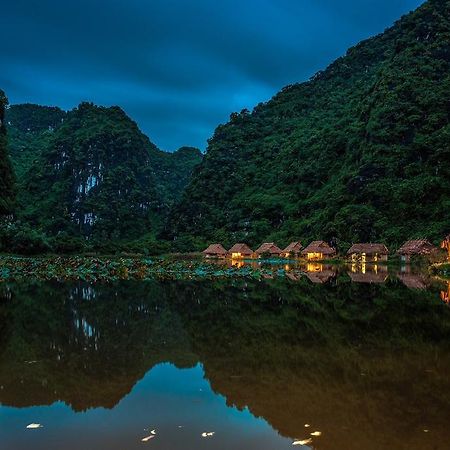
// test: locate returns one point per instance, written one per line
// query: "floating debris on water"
(33, 426)
(208, 434)
(316, 433)
(303, 442)
(147, 438)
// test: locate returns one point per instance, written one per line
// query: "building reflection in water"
(238, 263)
(358, 272)
(368, 273)
(320, 273)
(412, 279)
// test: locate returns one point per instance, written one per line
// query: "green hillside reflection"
(367, 364)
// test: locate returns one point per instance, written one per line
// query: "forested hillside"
(361, 152)
(90, 175)
(358, 153)
(29, 128)
(7, 189)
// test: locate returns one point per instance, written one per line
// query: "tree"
(7, 179)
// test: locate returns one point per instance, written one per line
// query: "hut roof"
(241, 248)
(215, 249)
(319, 247)
(268, 247)
(417, 247)
(293, 247)
(369, 249)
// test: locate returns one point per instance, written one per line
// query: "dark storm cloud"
(178, 67)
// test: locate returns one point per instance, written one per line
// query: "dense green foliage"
(94, 178)
(359, 153)
(89, 179)
(29, 129)
(7, 180)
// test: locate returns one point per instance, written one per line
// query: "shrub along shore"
(171, 267)
(113, 269)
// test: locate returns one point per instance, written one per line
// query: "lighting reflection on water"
(364, 362)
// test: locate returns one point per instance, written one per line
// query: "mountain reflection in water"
(367, 364)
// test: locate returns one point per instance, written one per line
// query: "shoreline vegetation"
(194, 267)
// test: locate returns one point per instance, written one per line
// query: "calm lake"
(362, 358)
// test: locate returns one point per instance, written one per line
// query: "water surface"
(363, 359)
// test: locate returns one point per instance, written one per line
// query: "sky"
(177, 67)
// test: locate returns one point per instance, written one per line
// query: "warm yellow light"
(314, 267)
(238, 263)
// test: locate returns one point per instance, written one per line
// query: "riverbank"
(190, 267)
(113, 269)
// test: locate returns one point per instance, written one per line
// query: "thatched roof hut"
(293, 248)
(240, 250)
(268, 248)
(368, 249)
(215, 250)
(319, 248)
(417, 247)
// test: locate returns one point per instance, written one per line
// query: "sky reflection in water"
(100, 366)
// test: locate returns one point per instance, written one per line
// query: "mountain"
(174, 171)
(92, 173)
(360, 152)
(7, 192)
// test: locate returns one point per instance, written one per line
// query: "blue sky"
(177, 67)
